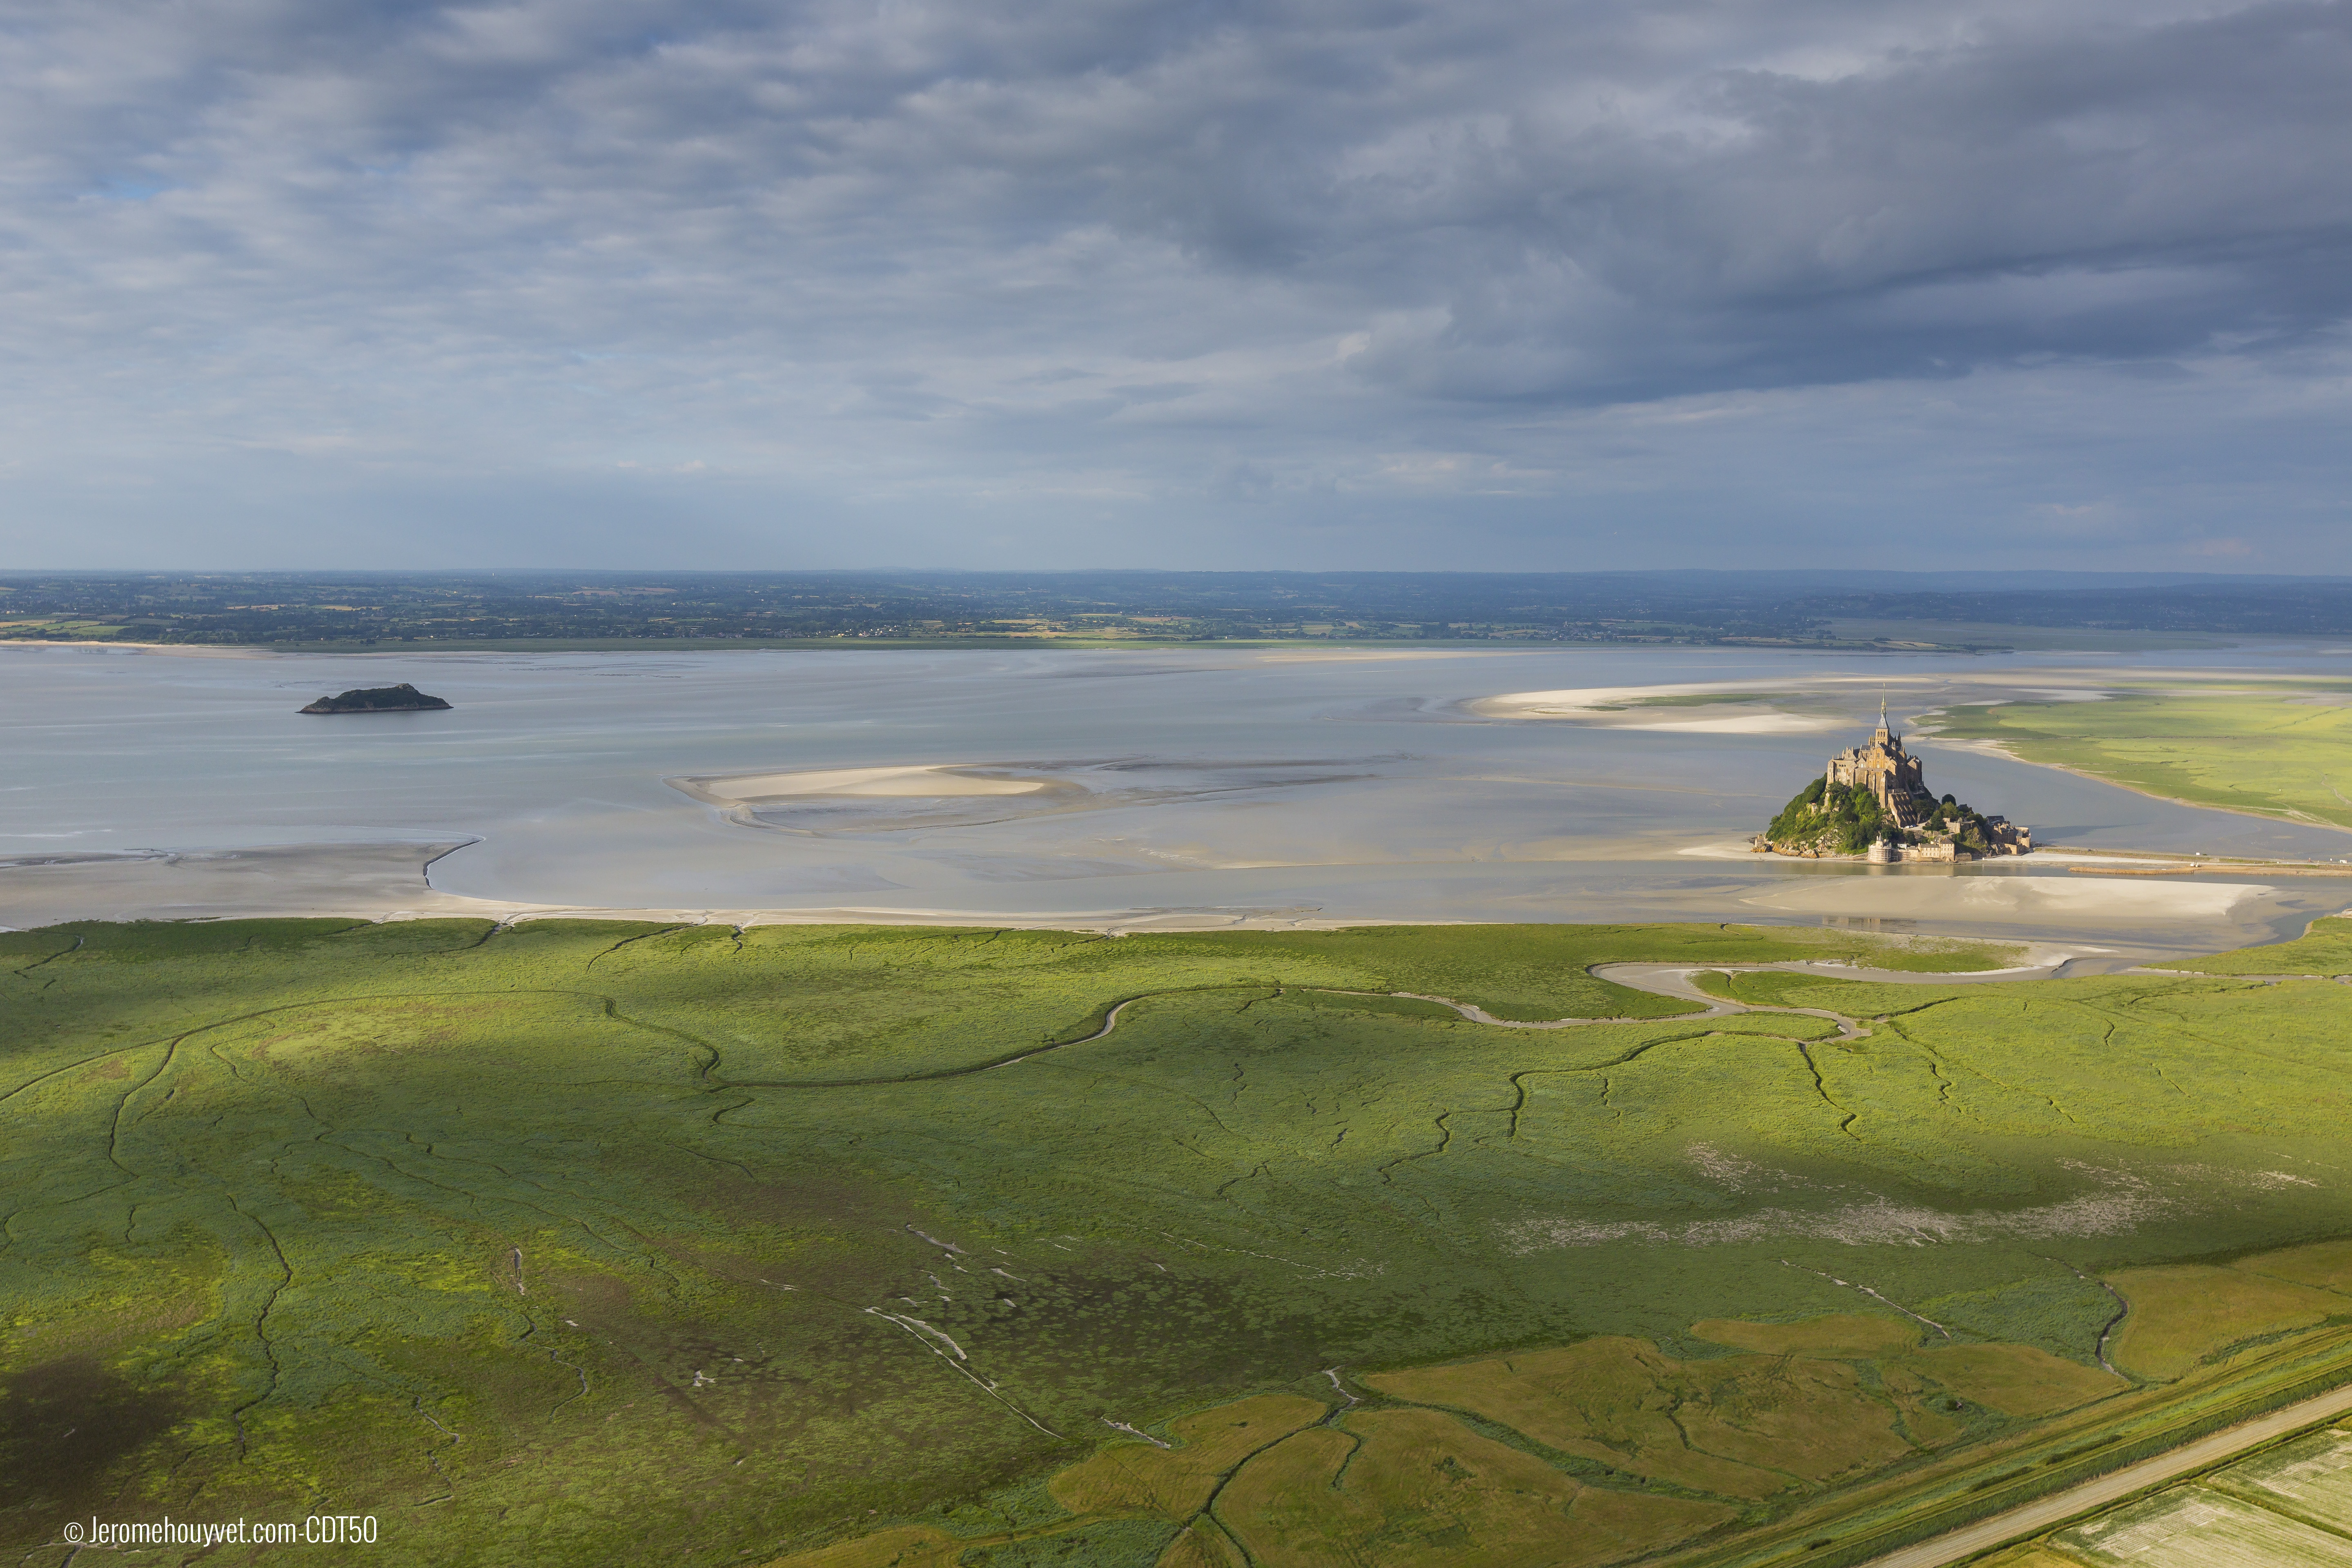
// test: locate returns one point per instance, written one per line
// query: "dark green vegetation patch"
(400, 698)
(1832, 819)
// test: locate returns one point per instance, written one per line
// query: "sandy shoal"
(1608, 706)
(1998, 898)
(1741, 724)
(1722, 849)
(925, 780)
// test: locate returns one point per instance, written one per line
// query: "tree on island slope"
(1832, 819)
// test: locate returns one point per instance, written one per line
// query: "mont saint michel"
(1872, 800)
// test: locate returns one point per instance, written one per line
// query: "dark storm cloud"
(1119, 254)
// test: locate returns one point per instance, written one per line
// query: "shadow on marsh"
(65, 1425)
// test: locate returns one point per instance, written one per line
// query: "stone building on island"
(1874, 800)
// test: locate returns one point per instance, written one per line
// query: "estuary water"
(1220, 784)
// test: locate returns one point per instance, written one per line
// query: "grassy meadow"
(2323, 951)
(2271, 752)
(585, 1242)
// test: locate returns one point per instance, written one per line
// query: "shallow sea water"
(1305, 784)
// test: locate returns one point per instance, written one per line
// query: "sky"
(1370, 284)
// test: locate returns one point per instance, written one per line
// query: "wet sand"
(2015, 900)
(390, 882)
(2100, 925)
(372, 882)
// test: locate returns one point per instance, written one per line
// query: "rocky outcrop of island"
(1873, 802)
(400, 698)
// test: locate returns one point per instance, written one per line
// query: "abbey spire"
(1890, 774)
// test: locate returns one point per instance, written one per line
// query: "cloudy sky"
(1317, 283)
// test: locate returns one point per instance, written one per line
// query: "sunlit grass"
(2268, 751)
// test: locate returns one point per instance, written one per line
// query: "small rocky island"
(400, 698)
(1873, 802)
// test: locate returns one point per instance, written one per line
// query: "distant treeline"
(1767, 608)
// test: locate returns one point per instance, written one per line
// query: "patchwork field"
(2287, 1507)
(584, 1242)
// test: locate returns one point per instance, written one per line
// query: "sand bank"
(1575, 702)
(1741, 724)
(2004, 897)
(1722, 849)
(924, 781)
(1627, 708)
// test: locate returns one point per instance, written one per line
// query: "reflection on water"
(1363, 787)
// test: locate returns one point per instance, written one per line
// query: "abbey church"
(1888, 772)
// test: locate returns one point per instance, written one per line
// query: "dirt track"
(2058, 1508)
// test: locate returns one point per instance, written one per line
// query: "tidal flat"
(1106, 789)
(584, 1241)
